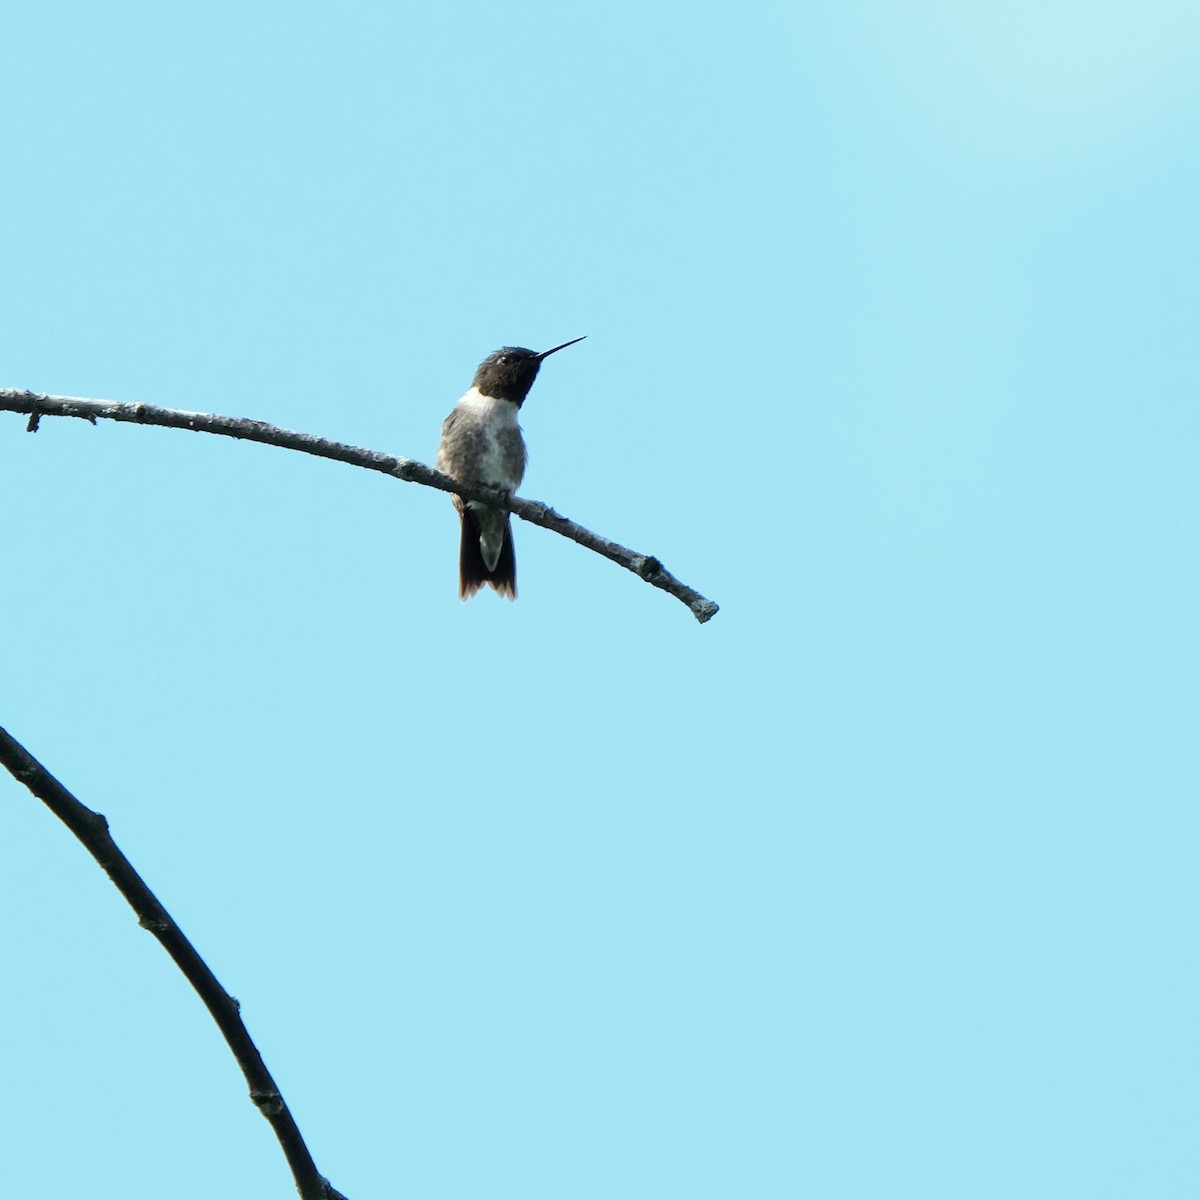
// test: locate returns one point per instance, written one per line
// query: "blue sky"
(882, 883)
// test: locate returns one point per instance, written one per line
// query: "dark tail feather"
(472, 570)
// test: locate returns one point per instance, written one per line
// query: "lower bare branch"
(408, 469)
(92, 830)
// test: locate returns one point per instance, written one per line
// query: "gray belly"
(477, 453)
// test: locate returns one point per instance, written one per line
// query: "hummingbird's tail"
(473, 571)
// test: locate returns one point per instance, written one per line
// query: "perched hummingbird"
(482, 444)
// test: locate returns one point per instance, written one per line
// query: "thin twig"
(92, 830)
(643, 565)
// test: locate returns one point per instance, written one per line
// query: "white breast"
(498, 412)
(498, 424)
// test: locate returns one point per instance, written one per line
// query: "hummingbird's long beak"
(547, 353)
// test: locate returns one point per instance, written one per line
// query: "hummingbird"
(482, 444)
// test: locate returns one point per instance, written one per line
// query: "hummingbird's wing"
(443, 455)
(444, 463)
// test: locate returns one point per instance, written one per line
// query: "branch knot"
(270, 1104)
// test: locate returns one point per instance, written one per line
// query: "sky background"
(881, 884)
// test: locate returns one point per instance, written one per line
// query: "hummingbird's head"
(508, 374)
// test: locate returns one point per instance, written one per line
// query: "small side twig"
(91, 829)
(643, 565)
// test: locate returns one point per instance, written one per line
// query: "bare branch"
(411, 471)
(92, 830)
